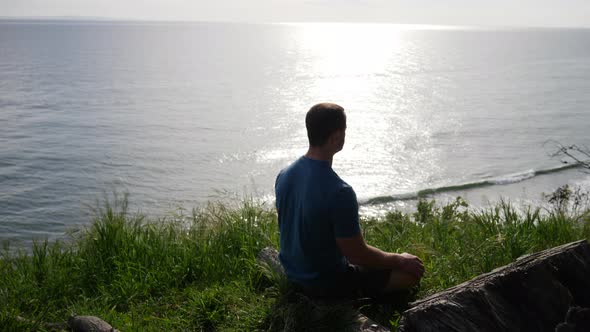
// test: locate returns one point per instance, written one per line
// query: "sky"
(538, 13)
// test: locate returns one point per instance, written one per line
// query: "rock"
(532, 294)
(270, 257)
(365, 324)
(577, 319)
(89, 324)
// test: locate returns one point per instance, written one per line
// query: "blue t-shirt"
(315, 207)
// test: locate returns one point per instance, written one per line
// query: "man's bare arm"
(358, 252)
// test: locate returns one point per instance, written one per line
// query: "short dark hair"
(322, 120)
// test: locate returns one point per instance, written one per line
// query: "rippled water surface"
(177, 113)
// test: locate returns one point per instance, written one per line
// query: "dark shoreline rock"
(532, 294)
(89, 324)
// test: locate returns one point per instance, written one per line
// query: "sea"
(182, 114)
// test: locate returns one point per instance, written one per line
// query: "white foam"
(582, 183)
(514, 178)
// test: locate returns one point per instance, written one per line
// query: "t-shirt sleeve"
(345, 215)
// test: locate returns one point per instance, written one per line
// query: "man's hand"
(359, 253)
(411, 264)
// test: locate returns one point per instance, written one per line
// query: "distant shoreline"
(412, 26)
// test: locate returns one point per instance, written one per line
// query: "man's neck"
(317, 153)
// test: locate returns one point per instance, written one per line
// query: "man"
(322, 248)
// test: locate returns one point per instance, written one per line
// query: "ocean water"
(179, 114)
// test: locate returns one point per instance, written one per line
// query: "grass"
(198, 271)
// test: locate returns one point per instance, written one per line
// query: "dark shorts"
(356, 282)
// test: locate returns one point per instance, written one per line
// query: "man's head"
(326, 126)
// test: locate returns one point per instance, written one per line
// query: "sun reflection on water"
(364, 68)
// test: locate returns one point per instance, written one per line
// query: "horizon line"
(155, 20)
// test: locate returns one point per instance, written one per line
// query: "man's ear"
(334, 138)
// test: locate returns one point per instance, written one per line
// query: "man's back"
(322, 247)
(315, 207)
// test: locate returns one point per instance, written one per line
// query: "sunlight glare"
(347, 49)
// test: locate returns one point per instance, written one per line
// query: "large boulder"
(532, 294)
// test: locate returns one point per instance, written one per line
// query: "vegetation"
(198, 272)
(573, 154)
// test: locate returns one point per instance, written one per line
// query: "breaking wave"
(502, 180)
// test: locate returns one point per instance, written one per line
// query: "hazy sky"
(454, 12)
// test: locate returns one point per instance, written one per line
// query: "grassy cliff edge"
(198, 272)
